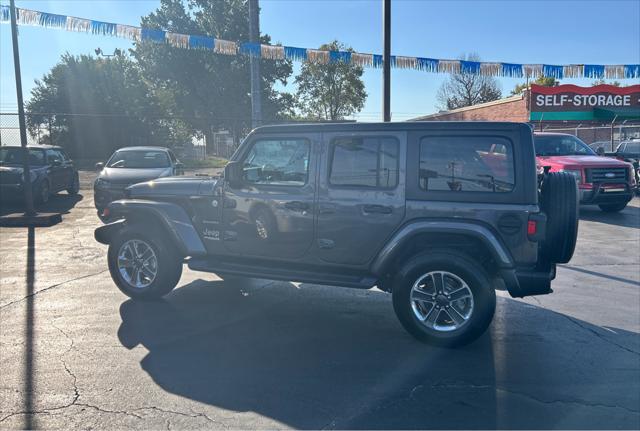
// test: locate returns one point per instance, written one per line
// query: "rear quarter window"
(466, 164)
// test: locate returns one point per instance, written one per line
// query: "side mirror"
(600, 151)
(56, 162)
(233, 174)
(99, 166)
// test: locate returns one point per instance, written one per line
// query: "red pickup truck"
(602, 181)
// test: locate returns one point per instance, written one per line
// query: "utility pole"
(28, 195)
(386, 60)
(254, 37)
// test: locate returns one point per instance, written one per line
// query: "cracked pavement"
(77, 354)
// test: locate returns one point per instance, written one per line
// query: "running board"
(284, 274)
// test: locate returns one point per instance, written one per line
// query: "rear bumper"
(529, 282)
(606, 195)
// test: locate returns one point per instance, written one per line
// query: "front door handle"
(296, 206)
(376, 209)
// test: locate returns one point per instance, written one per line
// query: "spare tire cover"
(559, 201)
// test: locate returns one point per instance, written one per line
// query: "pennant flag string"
(278, 52)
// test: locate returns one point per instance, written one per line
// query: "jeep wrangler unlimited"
(438, 214)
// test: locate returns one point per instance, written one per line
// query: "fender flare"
(172, 217)
(402, 237)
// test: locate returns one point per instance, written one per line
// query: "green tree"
(466, 89)
(547, 81)
(330, 91)
(210, 90)
(92, 106)
(602, 81)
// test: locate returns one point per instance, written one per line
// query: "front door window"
(277, 162)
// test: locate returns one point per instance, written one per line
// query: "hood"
(174, 186)
(132, 176)
(582, 161)
(13, 174)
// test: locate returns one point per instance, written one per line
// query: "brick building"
(592, 113)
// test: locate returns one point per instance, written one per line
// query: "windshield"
(13, 156)
(632, 147)
(138, 159)
(561, 145)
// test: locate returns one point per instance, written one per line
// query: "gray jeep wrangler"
(438, 214)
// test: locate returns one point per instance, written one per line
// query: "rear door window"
(466, 164)
(364, 162)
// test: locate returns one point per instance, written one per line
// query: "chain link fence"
(608, 136)
(90, 138)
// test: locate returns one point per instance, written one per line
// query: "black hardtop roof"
(392, 126)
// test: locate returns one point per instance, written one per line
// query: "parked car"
(602, 181)
(629, 151)
(438, 214)
(51, 170)
(600, 147)
(128, 166)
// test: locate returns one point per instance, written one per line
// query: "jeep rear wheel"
(143, 267)
(559, 201)
(444, 298)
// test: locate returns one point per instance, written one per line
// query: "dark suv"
(438, 214)
(51, 172)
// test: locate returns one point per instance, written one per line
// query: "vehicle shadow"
(59, 203)
(628, 217)
(322, 357)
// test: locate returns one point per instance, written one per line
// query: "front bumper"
(606, 194)
(104, 196)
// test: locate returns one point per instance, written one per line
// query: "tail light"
(536, 227)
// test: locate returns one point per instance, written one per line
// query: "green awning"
(620, 113)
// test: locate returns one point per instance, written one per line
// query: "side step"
(260, 270)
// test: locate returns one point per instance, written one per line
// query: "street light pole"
(254, 37)
(386, 60)
(28, 195)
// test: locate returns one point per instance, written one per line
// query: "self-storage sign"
(570, 102)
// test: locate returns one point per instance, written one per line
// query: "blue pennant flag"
(552, 71)
(293, 53)
(593, 71)
(335, 56)
(427, 64)
(152, 34)
(201, 42)
(106, 28)
(470, 67)
(251, 49)
(512, 70)
(52, 20)
(632, 71)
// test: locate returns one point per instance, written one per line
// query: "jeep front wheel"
(143, 267)
(444, 298)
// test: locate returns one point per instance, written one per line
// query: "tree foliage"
(466, 89)
(210, 90)
(92, 106)
(330, 91)
(602, 81)
(546, 81)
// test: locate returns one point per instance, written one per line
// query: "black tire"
(467, 270)
(74, 187)
(613, 208)
(168, 268)
(559, 201)
(43, 192)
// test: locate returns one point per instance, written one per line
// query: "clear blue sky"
(552, 32)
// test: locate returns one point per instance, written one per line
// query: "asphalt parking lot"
(76, 353)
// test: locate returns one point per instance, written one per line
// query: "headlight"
(101, 184)
(577, 174)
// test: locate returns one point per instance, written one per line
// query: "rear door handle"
(296, 206)
(377, 209)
